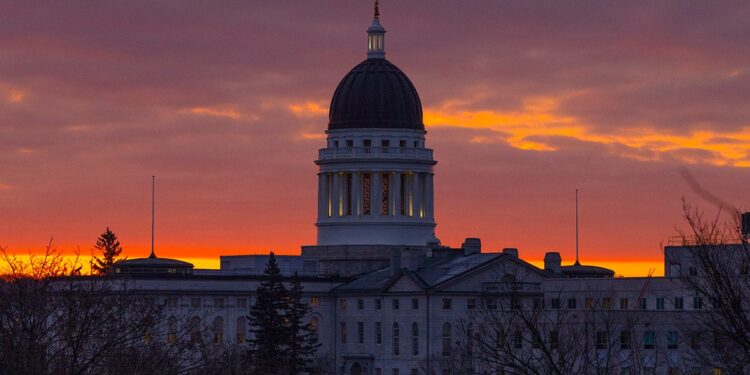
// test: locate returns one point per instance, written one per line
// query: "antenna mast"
(577, 226)
(153, 200)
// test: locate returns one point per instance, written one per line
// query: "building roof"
(375, 94)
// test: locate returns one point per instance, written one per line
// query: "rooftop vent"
(512, 251)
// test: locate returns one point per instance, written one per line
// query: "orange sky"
(227, 105)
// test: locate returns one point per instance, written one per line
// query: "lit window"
(172, 330)
(242, 328)
(314, 324)
(314, 301)
(589, 303)
(606, 303)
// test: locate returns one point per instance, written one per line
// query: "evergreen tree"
(268, 343)
(110, 247)
(301, 341)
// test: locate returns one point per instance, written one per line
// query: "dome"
(375, 94)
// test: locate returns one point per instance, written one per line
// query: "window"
(314, 301)
(414, 371)
(626, 371)
(644, 304)
(395, 303)
(194, 326)
(693, 271)
(171, 302)
(394, 371)
(414, 339)
(402, 143)
(674, 270)
(385, 144)
(336, 144)
(660, 303)
(446, 339)
(361, 332)
(242, 303)
(515, 302)
(491, 303)
(673, 371)
(195, 302)
(589, 303)
(649, 339)
(416, 144)
(518, 340)
(367, 144)
(396, 344)
(606, 303)
(536, 341)
(314, 324)
(378, 333)
(471, 304)
(538, 303)
(360, 304)
(555, 303)
(378, 304)
(447, 303)
(625, 339)
(697, 303)
(219, 303)
(623, 303)
(554, 339)
(678, 303)
(343, 332)
(218, 330)
(672, 339)
(378, 371)
(342, 303)
(415, 303)
(602, 341)
(349, 143)
(172, 330)
(571, 303)
(649, 371)
(695, 340)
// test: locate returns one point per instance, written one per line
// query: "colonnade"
(375, 193)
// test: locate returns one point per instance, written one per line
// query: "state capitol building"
(388, 298)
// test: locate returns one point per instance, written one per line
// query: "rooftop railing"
(374, 153)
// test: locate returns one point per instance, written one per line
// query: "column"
(376, 193)
(357, 193)
(415, 193)
(336, 195)
(396, 194)
(430, 196)
(322, 204)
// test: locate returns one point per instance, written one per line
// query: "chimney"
(552, 261)
(746, 225)
(471, 246)
(512, 251)
(395, 261)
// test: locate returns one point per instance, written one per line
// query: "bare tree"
(717, 274)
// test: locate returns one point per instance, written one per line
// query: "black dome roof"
(375, 94)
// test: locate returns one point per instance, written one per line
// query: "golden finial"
(377, 10)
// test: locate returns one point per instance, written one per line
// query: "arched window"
(194, 326)
(172, 330)
(314, 323)
(218, 329)
(241, 329)
(446, 339)
(415, 339)
(396, 349)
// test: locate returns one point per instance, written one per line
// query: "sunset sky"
(227, 104)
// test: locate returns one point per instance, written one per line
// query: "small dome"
(375, 94)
